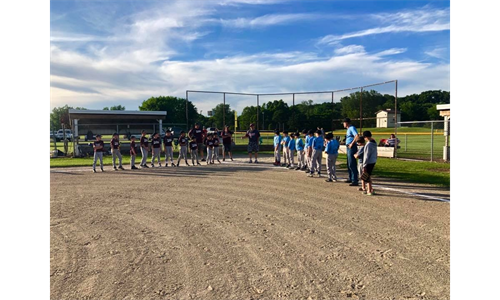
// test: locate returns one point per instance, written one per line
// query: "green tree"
(217, 118)
(248, 115)
(368, 101)
(116, 107)
(61, 115)
(175, 108)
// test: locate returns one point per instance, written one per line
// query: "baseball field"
(244, 231)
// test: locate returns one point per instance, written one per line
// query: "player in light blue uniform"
(299, 145)
(291, 150)
(309, 140)
(277, 148)
(286, 154)
(316, 153)
(332, 152)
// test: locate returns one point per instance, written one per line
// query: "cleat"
(121, 168)
(94, 170)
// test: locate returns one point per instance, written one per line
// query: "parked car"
(53, 135)
(60, 134)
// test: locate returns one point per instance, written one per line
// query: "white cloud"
(439, 52)
(267, 20)
(422, 20)
(350, 49)
(392, 51)
(249, 2)
(252, 73)
(134, 62)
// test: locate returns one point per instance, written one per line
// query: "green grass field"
(415, 142)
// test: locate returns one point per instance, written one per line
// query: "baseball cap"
(252, 124)
(367, 133)
(329, 136)
(347, 120)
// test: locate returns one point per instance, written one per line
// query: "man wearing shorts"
(253, 142)
(227, 143)
(198, 134)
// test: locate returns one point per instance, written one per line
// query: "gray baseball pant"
(116, 152)
(194, 156)
(210, 155)
(182, 154)
(330, 166)
(144, 153)
(132, 160)
(169, 153)
(156, 156)
(316, 161)
(97, 155)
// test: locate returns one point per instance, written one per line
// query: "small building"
(386, 118)
(444, 110)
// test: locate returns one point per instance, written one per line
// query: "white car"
(60, 134)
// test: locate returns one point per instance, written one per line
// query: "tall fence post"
(396, 118)
(224, 111)
(187, 117)
(432, 141)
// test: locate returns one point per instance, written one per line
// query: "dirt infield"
(241, 231)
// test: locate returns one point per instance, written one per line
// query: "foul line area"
(265, 165)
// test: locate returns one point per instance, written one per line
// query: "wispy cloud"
(137, 57)
(249, 2)
(421, 20)
(267, 20)
(440, 52)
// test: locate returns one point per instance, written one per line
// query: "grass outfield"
(411, 171)
(415, 142)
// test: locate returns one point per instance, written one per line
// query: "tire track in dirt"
(281, 235)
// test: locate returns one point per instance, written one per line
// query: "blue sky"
(122, 52)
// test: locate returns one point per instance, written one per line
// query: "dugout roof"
(109, 121)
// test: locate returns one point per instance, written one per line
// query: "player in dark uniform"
(144, 149)
(169, 150)
(156, 149)
(253, 142)
(98, 149)
(133, 153)
(183, 141)
(193, 148)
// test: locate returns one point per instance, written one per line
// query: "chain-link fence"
(425, 140)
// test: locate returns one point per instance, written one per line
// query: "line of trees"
(278, 114)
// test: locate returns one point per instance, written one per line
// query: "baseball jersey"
(210, 143)
(291, 144)
(253, 135)
(97, 144)
(167, 140)
(286, 139)
(277, 140)
(144, 142)
(318, 143)
(226, 139)
(183, 141)
(216, 142)
(132, 146)
(193, 145)
(299, 144)
(115, 143)
(197, 133)
(332, 147)
(156, 142)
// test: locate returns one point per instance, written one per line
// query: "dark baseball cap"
(252, 124)
(310, 131)
(329, 136)
(347, 120)
(367, 134)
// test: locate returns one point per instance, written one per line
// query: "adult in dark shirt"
(227, 142)
(253, 142)
(199, 134)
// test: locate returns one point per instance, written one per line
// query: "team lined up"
(309, 154)
(309, 151)
(156, 147)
